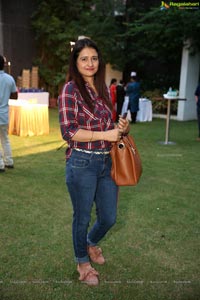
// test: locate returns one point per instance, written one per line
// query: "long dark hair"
(2, 61)
(99, 78)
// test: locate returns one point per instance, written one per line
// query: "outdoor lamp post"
(9, 67)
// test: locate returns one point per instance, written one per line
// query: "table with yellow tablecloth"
(26, 119)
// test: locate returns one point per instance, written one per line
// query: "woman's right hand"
(113, 135)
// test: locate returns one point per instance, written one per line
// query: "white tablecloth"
(39, 98)
(145, 110)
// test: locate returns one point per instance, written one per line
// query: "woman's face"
(87, 62)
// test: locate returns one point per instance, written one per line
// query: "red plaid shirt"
(74, 114)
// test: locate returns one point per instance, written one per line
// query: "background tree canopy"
(133, 35)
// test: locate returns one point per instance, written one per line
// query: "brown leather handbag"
(126, 163)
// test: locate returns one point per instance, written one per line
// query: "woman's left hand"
(123, 124)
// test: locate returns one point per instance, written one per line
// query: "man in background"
(120, 93)
(133, 92)
(8, 90)
(197, 98)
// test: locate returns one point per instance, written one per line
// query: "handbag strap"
(129, 143)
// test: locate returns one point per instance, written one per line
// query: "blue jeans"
(88, 180)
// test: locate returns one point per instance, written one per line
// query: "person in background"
(120, 94)
(8, 90)
(85, 116)
(113, 94)
(133, 92)
(197, 98)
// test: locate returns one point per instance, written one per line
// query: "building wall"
(111, 73)
(16, 36)
(1, 33)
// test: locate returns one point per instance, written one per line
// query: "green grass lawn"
(153, 250)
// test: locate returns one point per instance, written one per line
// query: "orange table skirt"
(28, 119)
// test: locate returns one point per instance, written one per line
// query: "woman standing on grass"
(85, 114)
(113, 95)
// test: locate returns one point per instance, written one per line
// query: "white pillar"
(188, 82)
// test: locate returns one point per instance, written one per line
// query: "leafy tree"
(132, 34)
(157, 37)
(58, 23)
(53, 23)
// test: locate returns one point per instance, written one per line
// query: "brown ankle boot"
(95, 254)
(88, 275)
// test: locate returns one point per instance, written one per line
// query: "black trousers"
(133, 117)
(198, 119)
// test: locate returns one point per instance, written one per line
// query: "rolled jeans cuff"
(90, 243)
(82, 260)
